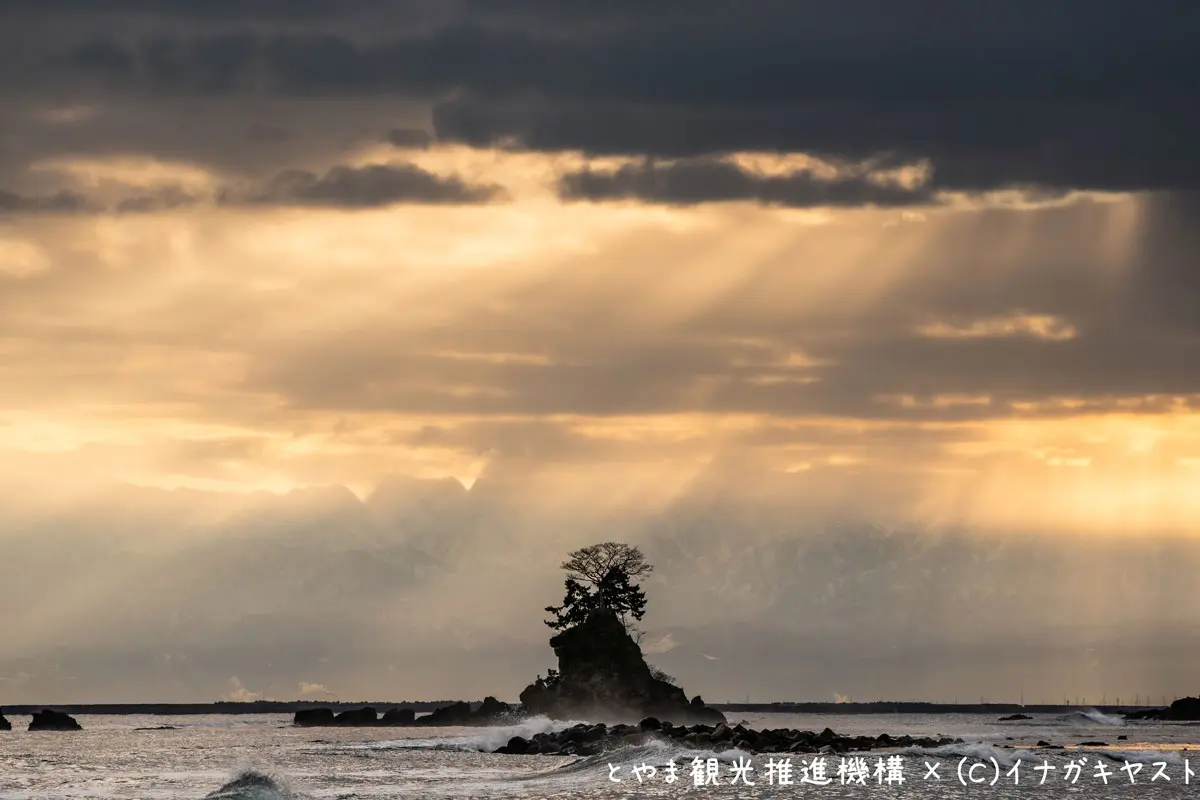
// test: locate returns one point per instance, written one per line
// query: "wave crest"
(1091, 716)
(253, 785)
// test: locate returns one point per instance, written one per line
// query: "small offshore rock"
(312, 717)
(356, 717)
(399, 716)
(47, 720)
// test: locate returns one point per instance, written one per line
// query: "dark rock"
(1043, 743)
(602, 675)
(311, 717)
(1122, 737)
(585, 739)
(5, 725)
(47, 720)
(1093, 744)
(398, 717)
(453, 714)
(650, 724)
(490, 712)
(1015, 717)
(357, 717)
(158, 728)
(1185, 709)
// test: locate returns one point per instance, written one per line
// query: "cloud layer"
(756, 286)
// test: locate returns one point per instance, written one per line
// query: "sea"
(264, 757)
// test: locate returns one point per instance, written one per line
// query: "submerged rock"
(602, 675)
(5, 725)
(1015, 717)
(48, 720)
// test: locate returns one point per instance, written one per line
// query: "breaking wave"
(978, 750)
(1144, 756)
(254, 785)
(480, 740)
(655, 752)
(1091, 716)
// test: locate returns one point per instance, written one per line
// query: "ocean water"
(262, 757)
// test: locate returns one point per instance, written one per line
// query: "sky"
(328, 329)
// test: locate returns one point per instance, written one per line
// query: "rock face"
(313, 717)
(490, 712)
(48, 720)
(1185, 709)
(357, 716)
(398, 716)
(5, 725)
(603, 676)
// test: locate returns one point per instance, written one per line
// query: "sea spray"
(252, 784)
(1091, 716)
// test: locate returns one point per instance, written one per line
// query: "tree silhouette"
(601, 577)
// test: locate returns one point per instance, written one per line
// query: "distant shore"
(292, 706)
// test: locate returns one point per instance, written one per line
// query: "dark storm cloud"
(994, 93)
(362, 187)
(373, 186)
(203, 9)
(409, 137)
(700, 180)
(60, 202)
(161, 200)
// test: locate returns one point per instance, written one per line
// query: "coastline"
(292, 706)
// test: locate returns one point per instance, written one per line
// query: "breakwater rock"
(585, 739)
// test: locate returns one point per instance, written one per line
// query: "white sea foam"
(1171, 757)
(1091, 716)
(976, 750)
(480, 740)
(251, 784)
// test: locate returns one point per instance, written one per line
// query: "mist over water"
(428, 591)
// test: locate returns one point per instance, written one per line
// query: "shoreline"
(292, 706)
